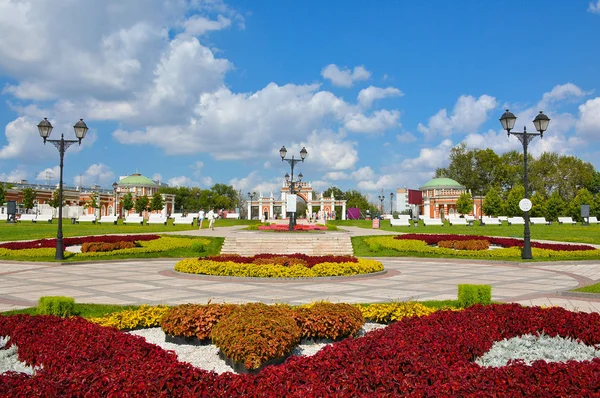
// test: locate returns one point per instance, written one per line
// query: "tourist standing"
(211, 219)
(200, 218)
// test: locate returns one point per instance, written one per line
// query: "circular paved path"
(154, 282)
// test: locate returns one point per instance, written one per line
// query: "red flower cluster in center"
(433, 239)
(308, 261)
(426, 356)
(49, 243)
(297, 227)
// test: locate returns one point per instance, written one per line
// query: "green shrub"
(474, 294)
(56, 305)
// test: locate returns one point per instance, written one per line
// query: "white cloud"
(49, 175)
(594, 8)
(157, 177)
(96, 174)
(406, 138)
(380, 121)
(197, 167)
(429, 158)
(589, 118)
(364, 173)
(368, 95)
(182, 181)
(197, 25)
(15, 175)
(468, 115)
(561, 92)
(344, 77)
(207, 182)
(335, 176)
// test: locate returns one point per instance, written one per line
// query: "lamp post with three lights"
(292, 162)
(252, 196)
(45, 128)
(541, 123)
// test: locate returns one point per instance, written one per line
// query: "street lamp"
(292, 162)
(391, 203)
(540, 122)
(45, 128)
(252, 196)
(115, 185)
(381, 199)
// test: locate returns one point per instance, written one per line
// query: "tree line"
(558, 184)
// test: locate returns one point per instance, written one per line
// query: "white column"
(343, 211)
(249, 211)
(271, 215)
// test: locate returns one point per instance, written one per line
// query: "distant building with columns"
(440, 196)
(277, 207)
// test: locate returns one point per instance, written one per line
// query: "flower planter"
(187, 340)
(239, 367)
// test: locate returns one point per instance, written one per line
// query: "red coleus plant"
(310, 261)
(433, 239)
(46, 243)
(417, 356)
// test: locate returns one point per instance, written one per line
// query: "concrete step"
(314, 244)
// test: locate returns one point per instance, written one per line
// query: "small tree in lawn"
(2, 193)
(92, 201)
(141, 204)
(464, 204)
(583, 197)
(127, 202)
(511, 206)
(157, 203)
(28, 198)
(492, 203)
(56, 199)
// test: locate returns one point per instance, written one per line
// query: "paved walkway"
(155, 282)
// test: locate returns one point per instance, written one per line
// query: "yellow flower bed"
(32, 253)
(391, 312)
(230, 268)
(146, 317)
(164, 243)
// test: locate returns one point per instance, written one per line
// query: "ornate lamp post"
(252, 196)
(292, 162)
(381, 199)
(391, 203)
(45, 128)
(115, 186)
(540, 122)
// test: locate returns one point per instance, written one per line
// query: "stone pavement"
(155, 282)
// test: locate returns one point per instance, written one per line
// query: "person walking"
(200, 218)
(211, 219)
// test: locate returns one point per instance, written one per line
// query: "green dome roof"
(442, 183)
(138, 180)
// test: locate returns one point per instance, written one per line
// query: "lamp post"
(391, 203)
(45, 128)
(540, 122)
(292, 162)
(381, 199)
(252, 196)
(115, 185)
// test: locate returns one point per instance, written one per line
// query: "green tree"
(492, 203)
(141, 204)
(538, 205)
(127, 201)
(511, 170)
(594, 185)
(511, 206)
(55, 202)
(595, 211)
(157, 202)
(356, 199)
(464, 203)
(2, 193)
(92, 201)
(461, 167)
(29, 196)
(337, 193)
(555, 206)
(583, 197)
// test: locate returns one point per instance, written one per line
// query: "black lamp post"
(381, 199)
(252, 196)
(292, 162)
(115, 185)
(45, 128)
(540, 122)
(391, 203)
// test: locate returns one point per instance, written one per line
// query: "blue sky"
(201, 92)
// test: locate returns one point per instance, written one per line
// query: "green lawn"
(555, 232)
(31, 231)
(589, 289)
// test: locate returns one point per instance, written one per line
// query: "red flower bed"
(297, 227)
(433, 239)
(426, 356)
(45, 243)
(310, 261)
